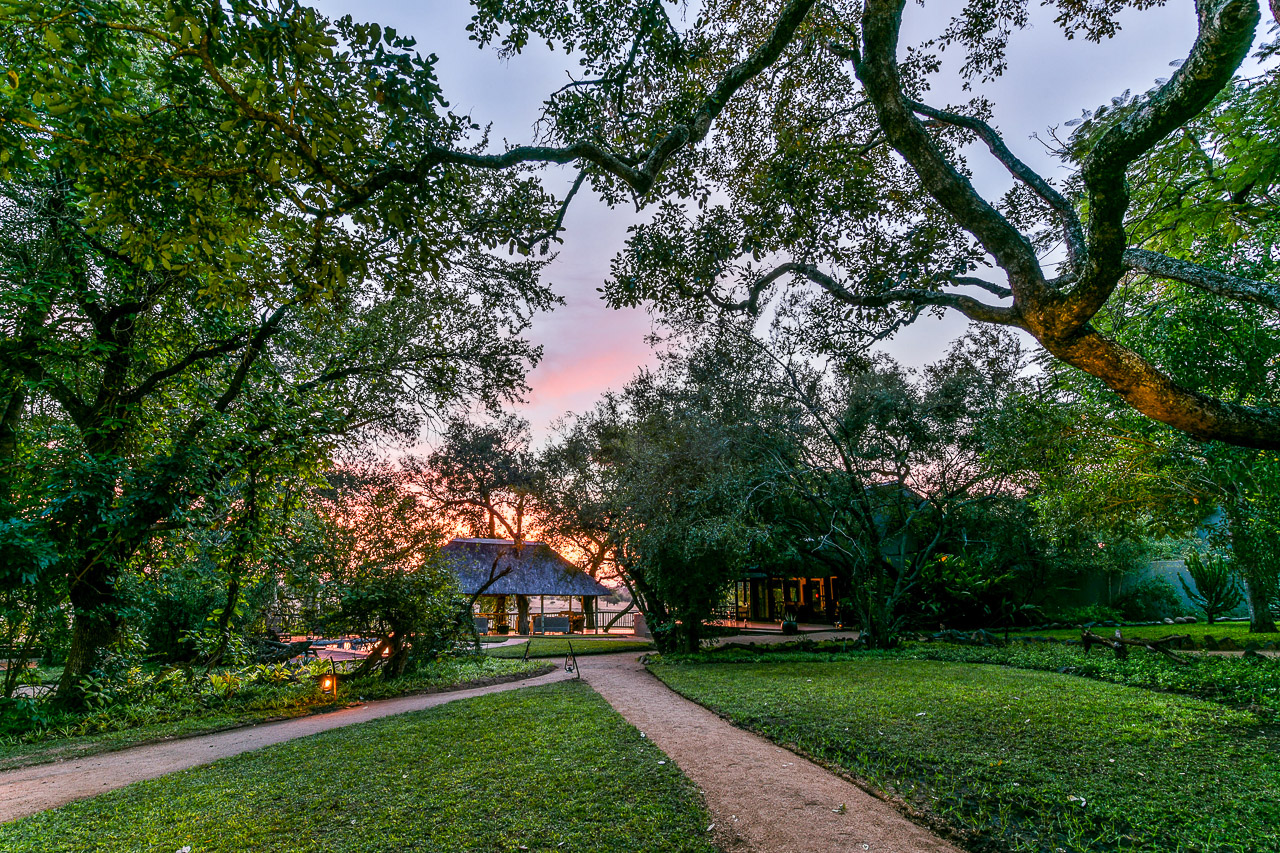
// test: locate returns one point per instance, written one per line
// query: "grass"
(1015, 759)
(552, 647)
(126, 724)
(1233, 680)
(544, 769)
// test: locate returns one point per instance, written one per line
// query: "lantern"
(329, 681)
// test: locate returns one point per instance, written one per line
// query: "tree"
(893, 465)
(837, 177)
(573, 489)
(234, 279)
(1216, 591)
(381, 573)
(668, 482)
(481, 477)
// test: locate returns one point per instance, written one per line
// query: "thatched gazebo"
(496, 569)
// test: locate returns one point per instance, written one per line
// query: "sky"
(590, 348)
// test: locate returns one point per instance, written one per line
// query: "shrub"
(1088, 613)
(1152, 598)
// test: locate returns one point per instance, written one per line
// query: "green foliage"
(150, 703)
(376, 569)
(1087, 614)
(1148, 599)
(230, 245)
(1217, 590)
(1018, 760)
(442, 782)
(1237, 632)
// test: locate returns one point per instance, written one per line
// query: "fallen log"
(1120, 644)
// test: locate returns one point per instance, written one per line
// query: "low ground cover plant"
(543, 769)
(550, 647)
(148, 704)
(1237, 632)
(1016, 759)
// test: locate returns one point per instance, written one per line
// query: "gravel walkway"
(33, 789)
(762, 797)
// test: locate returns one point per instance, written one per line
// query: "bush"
(1088, 613)
(1152, 598)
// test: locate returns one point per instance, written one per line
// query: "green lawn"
(551, 647)
(1238, 631)
(1020, 760)
(123, 724)
(549, 768)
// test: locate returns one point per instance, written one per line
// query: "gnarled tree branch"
(1204, 278)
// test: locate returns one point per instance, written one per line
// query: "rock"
(1210, 643)
(1168, 621)
(1192, 619)
(1226, 644)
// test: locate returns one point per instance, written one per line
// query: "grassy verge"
(128, 724)
(1252, 683)
(1237, 631)
(1018, 760)
(544, 769)
(550, 647)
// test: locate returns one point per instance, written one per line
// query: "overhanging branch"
(1204, 278)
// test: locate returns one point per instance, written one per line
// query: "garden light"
(329, 681)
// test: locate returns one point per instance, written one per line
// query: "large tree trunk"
(1260, 619)
(95, 625)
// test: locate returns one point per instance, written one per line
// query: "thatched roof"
(535, 569)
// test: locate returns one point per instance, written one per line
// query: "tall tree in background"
(694, 473)
(1205, 195)
(839, 179)
(481, 477)
(575, 470)
(208, 267)
(891, 465)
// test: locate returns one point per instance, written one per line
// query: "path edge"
(928, 820)
(488, 681)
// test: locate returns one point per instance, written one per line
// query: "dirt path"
(762, 797)
(33, 789)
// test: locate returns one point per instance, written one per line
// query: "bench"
(482, 624)
(551, 624)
